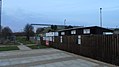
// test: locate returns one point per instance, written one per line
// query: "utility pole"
(0, 16)
(101, 17)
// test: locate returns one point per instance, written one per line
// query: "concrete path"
(23, 47)
(46, 58)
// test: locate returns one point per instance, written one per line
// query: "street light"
(0, 16)
(101, 17)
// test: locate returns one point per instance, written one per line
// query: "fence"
(101, 47)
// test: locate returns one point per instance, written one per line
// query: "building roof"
(84, 28)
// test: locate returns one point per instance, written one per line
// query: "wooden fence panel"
(101, 47)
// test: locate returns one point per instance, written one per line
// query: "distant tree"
(29, 31)
(54, 27)
(39, 30)
(49, 30)
(6, 32)
(70, 26)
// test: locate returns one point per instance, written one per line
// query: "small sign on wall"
(61, 39)
(79, 39)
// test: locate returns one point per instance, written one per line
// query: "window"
(107, 33)
(62, 33)
(61, 39)
(79, 39)
(86, 31)
(73, 32)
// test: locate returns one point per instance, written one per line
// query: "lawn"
(10, 43)
(23, 40)
(37, 47)
(8, 48)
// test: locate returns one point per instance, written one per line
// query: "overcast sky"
(17, 13)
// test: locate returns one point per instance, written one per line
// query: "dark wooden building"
(85, 31)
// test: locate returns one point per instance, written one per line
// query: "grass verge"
(23, 40)
(9, 48)
(38, 47)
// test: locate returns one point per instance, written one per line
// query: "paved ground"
(46, 58)
(23, 47)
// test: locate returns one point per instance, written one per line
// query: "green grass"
(23, 40)
(38, 47)
(11, 43)
(8, 48)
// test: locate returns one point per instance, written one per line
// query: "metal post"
(101, 17)
(0, 15)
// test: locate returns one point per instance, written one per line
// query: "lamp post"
(0, 15)
(101, 17)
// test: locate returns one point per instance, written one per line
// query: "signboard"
(52, 34)
(79, 39)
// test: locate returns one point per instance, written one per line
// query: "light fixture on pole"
(101, 17)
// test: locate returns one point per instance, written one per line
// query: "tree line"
(6, 32)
